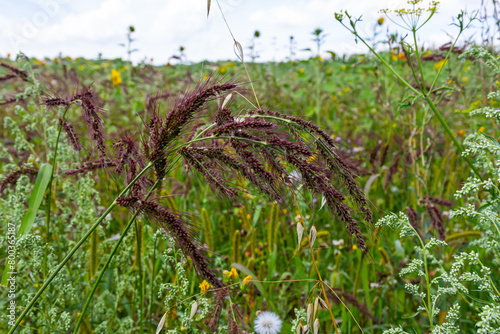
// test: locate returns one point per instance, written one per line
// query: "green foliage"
(400, 152)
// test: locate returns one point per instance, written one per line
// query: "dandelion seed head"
(267, 323)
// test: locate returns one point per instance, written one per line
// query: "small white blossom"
(267, 323)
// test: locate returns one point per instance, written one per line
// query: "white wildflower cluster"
(399, 221)
(300, 316)
(414, 289)
(453, 280)
(473, 186)
(414, 267)
(490, 320)
(482, 54)
(433, 242)
(449, 326)
(175, 290)
(488, 112)
(395, 330)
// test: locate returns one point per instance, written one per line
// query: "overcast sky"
(42, 28)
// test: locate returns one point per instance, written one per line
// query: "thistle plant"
(260, 145)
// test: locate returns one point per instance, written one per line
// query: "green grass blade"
(42, 181)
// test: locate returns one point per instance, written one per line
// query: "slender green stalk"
(420, 67)
(74, 249)
(49, 195)
(322, 283)
(115, 248)
(450, 134)
(138, 236)
(429, 306)
(426, 97)
(152, 285)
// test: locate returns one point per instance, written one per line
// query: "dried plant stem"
(314, 262)
(74, 249)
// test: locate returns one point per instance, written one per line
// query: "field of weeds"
(354, 194)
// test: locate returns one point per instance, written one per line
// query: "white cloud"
(87, 28)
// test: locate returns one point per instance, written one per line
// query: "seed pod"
(316, 326)
(313, 235)
(194, 308)
(309, 313)
(161, 323)
(300, 231)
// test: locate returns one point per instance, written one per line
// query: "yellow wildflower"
(343, 67)
(374, 111)
(401, 56)
(302, 70)
(205, 77)
(340, 93)
(234, 273)
(320, 58)
(347, 89)
(394, 57)
(204, 286)
(440, 64)
(116, 77)
(245, 282)
(464, 79)
(481, 129)
(8, 55)
(380, 21)
(222, 70)
(227, 275)
(354, 247)
(461, 132)
(311, 158)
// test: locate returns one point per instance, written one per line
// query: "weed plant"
(214, 210)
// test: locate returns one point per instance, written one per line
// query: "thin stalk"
(424, 89)
(115, 248)
(426, 98)
(139, 261)
(152, 284)
(315, 266)
(445, 61)
(429, 306)
(385, 62)
(49, 195)
(450, 134)
(74, 249)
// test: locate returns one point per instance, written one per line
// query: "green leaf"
(492, 139)
(41, 183)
